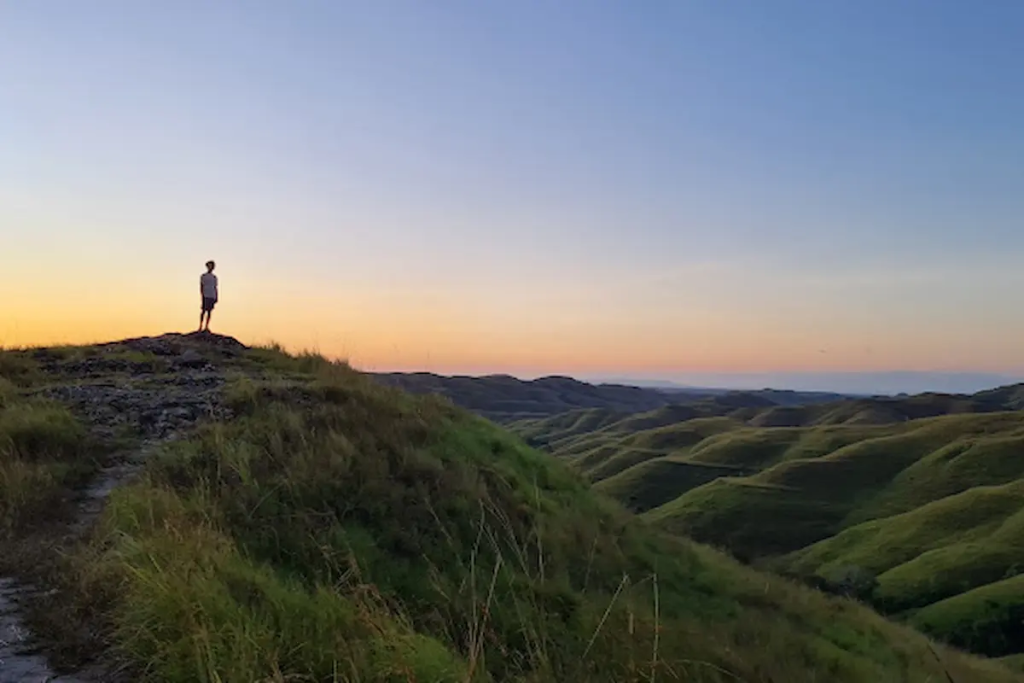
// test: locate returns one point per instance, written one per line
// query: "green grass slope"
(931, 553)
(745, 449)
(748, 518)
(510, 400)
(617, 454)
(337, 530)
(988, 619)
(931, 514)
(560, 428)
(655, 482)
(613, 448)
(609, 460)
(767, 408)
(875, 477)
(903, 514)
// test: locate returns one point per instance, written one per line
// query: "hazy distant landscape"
(504, 398)
(861, 383)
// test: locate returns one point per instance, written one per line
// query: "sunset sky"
(588, 187)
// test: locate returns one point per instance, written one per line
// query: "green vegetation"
(42, 451)
(989, 619)
(924, 519)
(525, 404)
(16, 369)
(506, 399)
(565, 426)
(657, 481)
(584, 429)
(338, 530)
(931, 553)
(1013, 662)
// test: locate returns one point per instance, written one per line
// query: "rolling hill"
(219, 513)
(921, 515)
(504, 399)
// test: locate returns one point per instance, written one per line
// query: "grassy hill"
(503, 398)
(302, 522)
(566, 416)
(923, 517)
(507, 399)
(768, 408)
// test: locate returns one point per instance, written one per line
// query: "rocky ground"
(134, 396)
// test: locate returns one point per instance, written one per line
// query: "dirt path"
(20, 661)
(154, 390)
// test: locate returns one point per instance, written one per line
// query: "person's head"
(210, 265)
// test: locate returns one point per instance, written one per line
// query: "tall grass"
(335, 530)
(42, 454)
(17, 367)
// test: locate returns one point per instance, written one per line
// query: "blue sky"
(655, 187)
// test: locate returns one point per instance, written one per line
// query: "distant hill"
(503, 398)
(772, 408)
(849, 382)
(915, 504)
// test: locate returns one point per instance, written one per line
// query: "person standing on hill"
(208, 291)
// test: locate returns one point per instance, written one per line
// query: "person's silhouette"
(208, 291)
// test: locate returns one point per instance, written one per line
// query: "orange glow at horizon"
(660, 324)
(460, 333)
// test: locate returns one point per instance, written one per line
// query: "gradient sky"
(647, 188)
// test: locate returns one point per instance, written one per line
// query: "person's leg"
(208, 311)
(204, 316)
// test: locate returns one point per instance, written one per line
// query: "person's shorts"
(209, 303)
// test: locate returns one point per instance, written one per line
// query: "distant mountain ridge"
(508, 399)
(861, 383)
(504, 398)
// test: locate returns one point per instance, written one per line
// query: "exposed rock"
(157, 407)
(191, 359)
(174, 344)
